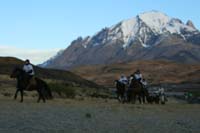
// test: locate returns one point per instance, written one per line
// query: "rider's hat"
(27, 60)
(138, 71)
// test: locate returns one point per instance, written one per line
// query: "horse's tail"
(45, 89)
(48, 93)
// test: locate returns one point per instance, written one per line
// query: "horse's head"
(16, 72)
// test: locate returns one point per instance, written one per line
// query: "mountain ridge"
(149, 34)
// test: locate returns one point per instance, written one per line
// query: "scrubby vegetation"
(63, 90)
(67, 90)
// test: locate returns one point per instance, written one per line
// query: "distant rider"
(138, 75)
(123, 79)
(144, 83)
(161, 91)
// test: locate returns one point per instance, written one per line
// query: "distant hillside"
(156, 72)
(7, 64)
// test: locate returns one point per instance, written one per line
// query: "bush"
(88, 115)
(63, 90)
(196, 94)
(69, 90)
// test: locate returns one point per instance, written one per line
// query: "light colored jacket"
(138, 76)
(123, 80)
(28, 68)
(161, 90)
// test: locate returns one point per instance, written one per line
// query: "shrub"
(88, 115)
(63, 89)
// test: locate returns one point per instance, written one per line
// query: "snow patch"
(128, 43)
(155, 20)
(143, 44)
(86, 41)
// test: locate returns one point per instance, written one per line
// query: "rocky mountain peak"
(190, 23)
(148, 36)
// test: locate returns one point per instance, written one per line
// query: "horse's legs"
(125, 97)
(139, 98)
(39, 96)
(157, 99)
(128, 94)
(21, 91)
(15, 97)
(43, 98)
(122, 98)
(134, 98)
(143, 98)
(118, 97)
(43, 95)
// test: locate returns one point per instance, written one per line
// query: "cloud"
(36, 56)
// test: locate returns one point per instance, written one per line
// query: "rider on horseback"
(138, 75)
(144, 83)
(28, 68)
(123, 79)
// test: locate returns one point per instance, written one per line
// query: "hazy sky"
(37, 29)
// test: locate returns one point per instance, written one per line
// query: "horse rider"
(161, 91)
(123, 79)
(138, 75)
(144, 83)
(28, 68)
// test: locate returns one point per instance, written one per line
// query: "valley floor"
(97, 116)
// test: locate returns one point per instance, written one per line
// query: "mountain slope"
(149, 36)
(155, 72)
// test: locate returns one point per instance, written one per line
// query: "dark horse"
(121, 89)
(135, 90)
(23, 84)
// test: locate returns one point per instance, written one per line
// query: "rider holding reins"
(28, 68)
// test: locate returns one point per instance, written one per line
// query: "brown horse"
(23, 83)
(135, 90)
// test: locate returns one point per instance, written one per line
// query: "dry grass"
(97, 115)
(154, 71)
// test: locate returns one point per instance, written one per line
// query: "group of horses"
(134, 90)
(125, 93)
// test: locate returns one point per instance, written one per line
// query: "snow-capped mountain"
(148, 36)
